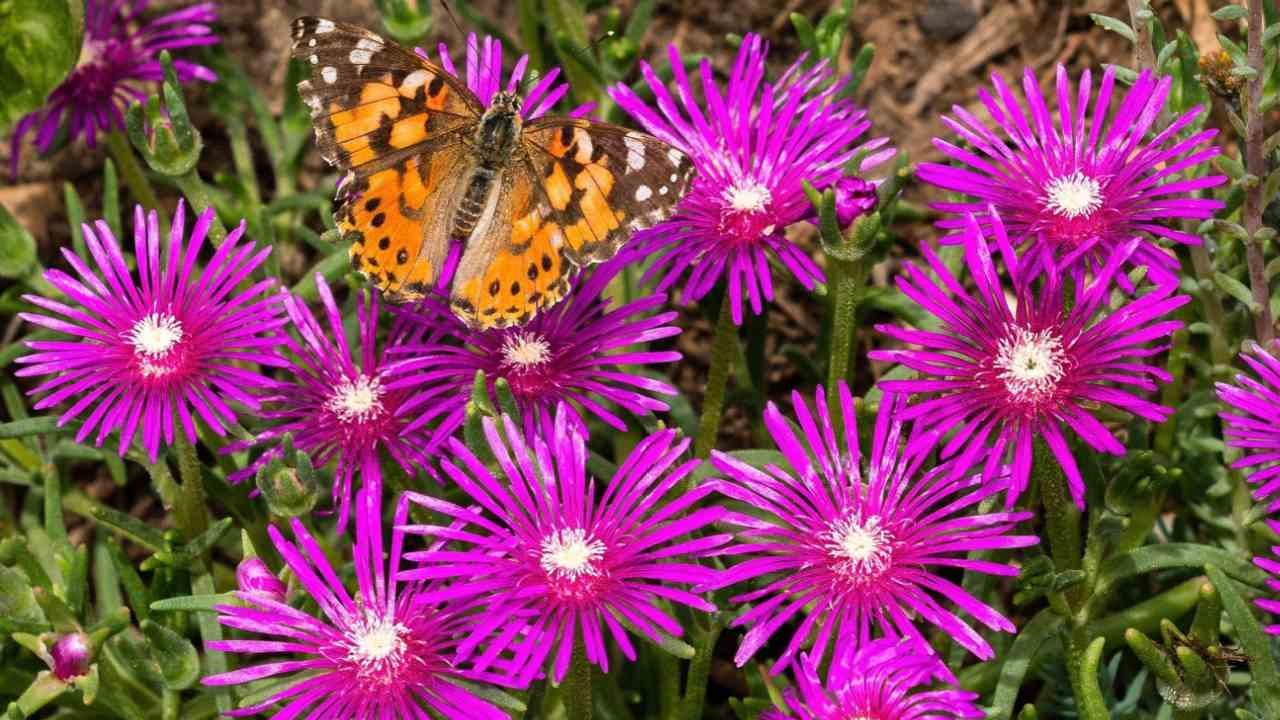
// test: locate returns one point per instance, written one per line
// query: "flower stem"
(695, 694)
(849, 278)
(577, 686)
(122, 153)
(1061, 516)
(722, 352)
(197, 193)
(189, 512)
(1255, 166)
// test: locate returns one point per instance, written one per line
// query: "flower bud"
(854, 197)
(72, 655)
(253, 576)
(290, 491)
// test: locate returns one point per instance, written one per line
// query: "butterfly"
(440, 188)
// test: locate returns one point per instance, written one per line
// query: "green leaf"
(17, 247)
(39, 43)
(121, 523)
(179, 663)
(1018, 659)
(1116, 26)
(19, 611)
(202, 603)
(1266, 678)
(1229, 13)
(1235, 289)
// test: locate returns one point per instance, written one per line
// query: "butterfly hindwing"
(513, 266)
(389, 218)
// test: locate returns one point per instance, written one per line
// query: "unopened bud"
(253, 576)
(72, 654)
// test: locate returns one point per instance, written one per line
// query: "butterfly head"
(499, 129)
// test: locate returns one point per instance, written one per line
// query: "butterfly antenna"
(584, 55)
(453, 18)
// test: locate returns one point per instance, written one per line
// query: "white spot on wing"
(663, 190)
(635, 151)
(413, 81)
(314, 59)
(675, 156)
(330, 75)
(585, 147)
(311, 42)
(324, 26)
(643, 193)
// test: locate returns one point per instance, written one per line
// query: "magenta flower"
(578, 351)
(1273, 583)
(338, 408)
(752, 145)
(885, 679)
(484, 77)
(1010, 372)
(117, 61)
(175, 345)
(386, 653)
(1250, 421)
(1075, 190)
(553, 560)
(858, 550)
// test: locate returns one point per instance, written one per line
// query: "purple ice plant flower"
(338, 407)
(582, 351)
(1251, 421)
(386, 653)
(885, 679)
(555, 561)
(752, 144)
(1076, 184)
(856, 551)
(176, 344)
(1271, 565)
(483, 77)
(1014, 363)
(118, 60)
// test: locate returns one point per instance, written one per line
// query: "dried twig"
(1254, 165)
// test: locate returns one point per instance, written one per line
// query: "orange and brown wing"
(601, 182)
(570, 199)
(393, 122)
(514, 265)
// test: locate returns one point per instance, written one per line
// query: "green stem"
(197, 193)
(189, 511)
(577, 686)
(722, 352)
(695, 694)
(1061, 516)
(122, 153)
(533, 706)
(849, 279)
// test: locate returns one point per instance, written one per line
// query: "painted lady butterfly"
(430, 168)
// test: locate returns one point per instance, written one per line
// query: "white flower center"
(862, 547)
(356, 400)
(748, 196)
(1073, 195)
(155, 335)
(376, 644)
(525, 350)
(1031, 364)
(570, 553)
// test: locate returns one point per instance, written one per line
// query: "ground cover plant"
(553, 360)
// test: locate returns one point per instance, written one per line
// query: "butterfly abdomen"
(474, 202)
